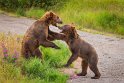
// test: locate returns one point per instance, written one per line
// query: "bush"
(35, 13)
(27, 4)
(20, 12)
(35, 69)
(9, 4)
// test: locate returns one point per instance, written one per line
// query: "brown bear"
(38, 34)
(82, 49)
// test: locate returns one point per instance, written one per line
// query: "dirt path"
(109, 49)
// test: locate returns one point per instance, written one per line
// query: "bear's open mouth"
(55, 24)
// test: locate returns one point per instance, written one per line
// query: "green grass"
(34, 69)
(101, 15)
(34, 13)
(56, 57)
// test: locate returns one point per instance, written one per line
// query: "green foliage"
(10, 4)
(9, 59)
(20, 12)
(107, 19)
(11, 73)
(32, 80)
(35, 13)
(56, 57)
(120, 30)
(15, 4)
(102, 15)
(34, 68)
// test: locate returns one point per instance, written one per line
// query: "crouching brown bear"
(39, 34)
(82, 49)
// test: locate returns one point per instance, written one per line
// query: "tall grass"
(11, 41)
(34, 13)
(102, 15)
(34, 69)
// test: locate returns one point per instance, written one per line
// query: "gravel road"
(109, 49)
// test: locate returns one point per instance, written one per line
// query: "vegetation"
(101, 15)
(13, 68)
(26, 4)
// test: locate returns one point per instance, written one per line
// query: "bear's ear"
(51, 14)
(48, 14)
(74, 33)
(73, 27)
(72, 24)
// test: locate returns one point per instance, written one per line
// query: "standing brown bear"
(38, 34)
(82, 49)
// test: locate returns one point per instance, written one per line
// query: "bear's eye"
(57, 17)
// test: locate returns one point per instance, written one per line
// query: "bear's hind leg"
(37, 53)
(84, 65)
(25, 51)
(93, 66)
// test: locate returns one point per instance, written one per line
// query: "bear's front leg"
(72, 58)
(47, 43)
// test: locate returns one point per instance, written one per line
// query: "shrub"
(33, 68)
(20, 12)
(27, 4)
(35, 13)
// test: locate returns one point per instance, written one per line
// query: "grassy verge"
(13, 68)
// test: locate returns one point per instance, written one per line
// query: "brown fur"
(82, 49)
(38, 34)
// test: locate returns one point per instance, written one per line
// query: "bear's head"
(52, 18)
(69, 30)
